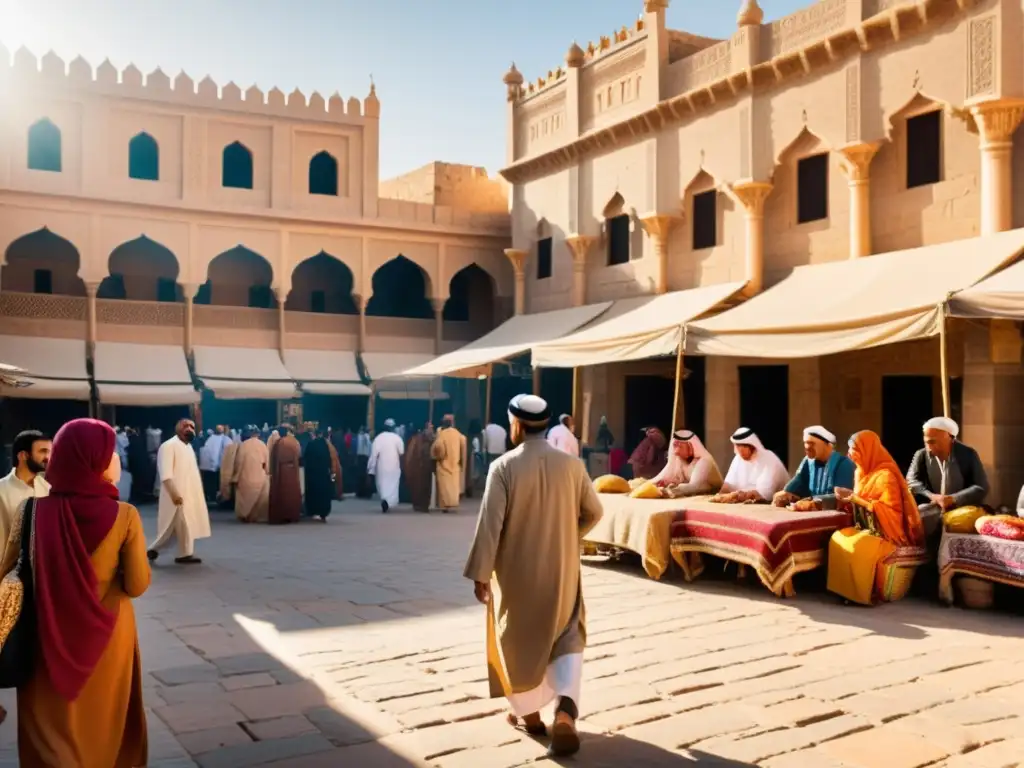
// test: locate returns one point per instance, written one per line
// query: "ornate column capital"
(281, 293)
(92, 287)
(438, 305)
(579, 247)
(659, 226)
(518, 258)
(189, 290)
(996, 119)
(856, 159)
(751, 195)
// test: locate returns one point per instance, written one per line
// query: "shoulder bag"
(18, 630)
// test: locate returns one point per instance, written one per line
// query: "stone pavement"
(358, 643)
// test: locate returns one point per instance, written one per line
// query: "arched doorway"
(400, 290)
(322, 284)
(42, 262)
(471, 299)
(141, 270)
(238, 278)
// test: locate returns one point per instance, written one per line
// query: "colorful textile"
(879, 487)
(854, 555)
(982, 557)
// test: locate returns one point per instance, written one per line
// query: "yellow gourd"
(962, 519)
(646, 491)
(611, 484)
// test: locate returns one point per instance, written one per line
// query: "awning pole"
(575, 392)
(371, 406)
(430, 401)
(679, 375)
(943, 362)
(487, 400)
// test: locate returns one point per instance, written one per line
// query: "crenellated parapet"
(24, 70)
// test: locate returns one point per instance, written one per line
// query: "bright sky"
(438, 64)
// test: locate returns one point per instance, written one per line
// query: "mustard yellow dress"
(105, 727)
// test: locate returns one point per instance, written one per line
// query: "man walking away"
(385, 465)
(538, 503)
(182, 513)
(449, 451)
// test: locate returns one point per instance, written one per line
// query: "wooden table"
(983, 557)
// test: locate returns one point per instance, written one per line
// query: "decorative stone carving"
(513, 81)
(575, 57)
(997, 119)
(517, 257)
(579, 248)
(752, 195)
(750, 14)
(42, 306)
(209, 316)
(853, 103)
(806, 26)
(982, 79)
(856, 160)
(658, 227)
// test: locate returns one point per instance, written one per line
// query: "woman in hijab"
(650, 456)
(888, 525)
(83, 705)
(319, 478)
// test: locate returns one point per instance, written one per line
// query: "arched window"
(236, 166)
(44, 146)
(144, 158)
(323, 175)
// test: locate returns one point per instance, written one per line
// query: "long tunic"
(339, 484)
(538, 504)
(449, 451)
(419, 470)
(227, 472)
(106, 724)
(177, 462)
(319, 483)
(385, 465)
(285, 486)
(252, 485)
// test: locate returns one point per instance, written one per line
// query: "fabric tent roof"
(633, 329)
(142, 374)
(825, 309)
(325, 371)
(53, 368)
(513, 337)
(382, 367)
(1001, 295)
(240, 373)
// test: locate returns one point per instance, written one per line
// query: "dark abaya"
(319, 483)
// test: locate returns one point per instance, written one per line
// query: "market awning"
(824, 309)
(633, 329)
(142, 374)
(1000, 296)
(242, 373)
(380, 366)
(513, 337)
(325, 371)
(53, 369)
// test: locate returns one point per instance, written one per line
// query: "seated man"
(945, 474)
(691, 470)
(650, 456)
(755, 475)
(822, 471)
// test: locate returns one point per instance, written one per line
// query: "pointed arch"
(805, 142)
(44, 146)
(236, 166)
(615, 206)
(471, 298)
(400, 288)
(543, 229)
(917, 103)
(142, 270)
(618, 230)
(143, 158)
(324, 284)
(701, 199)
(323, 174)
(238, 277)
(43, 262)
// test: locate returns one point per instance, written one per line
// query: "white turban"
(821, 433)
(389, 423)
(946, 425)
(529, 409)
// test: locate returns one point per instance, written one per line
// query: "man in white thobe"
(385, 464)
(755, 475)
(561, 437)
(495, 441)
(182, 512)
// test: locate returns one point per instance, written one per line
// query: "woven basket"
(977, 594)
(896, 581)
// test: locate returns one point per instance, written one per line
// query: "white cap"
(946, 425)
(821, 433)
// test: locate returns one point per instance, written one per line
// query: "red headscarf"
(74, 627)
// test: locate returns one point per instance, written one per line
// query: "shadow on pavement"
(600, 750)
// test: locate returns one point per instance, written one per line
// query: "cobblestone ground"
(357, 643)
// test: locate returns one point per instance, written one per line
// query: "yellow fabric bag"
(646, 491)
(611, 484)
(962, 519)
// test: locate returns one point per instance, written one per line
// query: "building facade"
(144, 210)
(655, 160)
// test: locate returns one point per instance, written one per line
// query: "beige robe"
(227, 472)
(252, 483)
(449, 451)
(271, 441)
(537, 506)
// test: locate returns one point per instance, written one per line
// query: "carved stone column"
(438, 305)
(91, 288)
(282, 297)
(518, 258)
(579, 247)
(361, 307)
(658, 227)
(188, 290)
(751, 195)
(996, 121)
(856, 164)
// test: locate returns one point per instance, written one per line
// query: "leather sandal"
(532, 724)
(565, 740)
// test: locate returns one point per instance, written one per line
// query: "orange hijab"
(870, 482)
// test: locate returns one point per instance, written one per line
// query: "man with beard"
(182, 513)
(30, 453)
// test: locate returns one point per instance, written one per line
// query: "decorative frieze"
(798, 29)
(147, 313)
(982, 79)
(41, 306)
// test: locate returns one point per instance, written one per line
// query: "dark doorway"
(648, 404)
(764, 405)
(237, 413)
(338, 411)
(694, 396)
(410, 411)
(163, 417)
(556, 388)
(906, 405)
(505, 386)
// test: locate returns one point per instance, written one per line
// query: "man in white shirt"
(30, 453)
(561, 436)
(182, 514)
(385, 464)
(495, 441)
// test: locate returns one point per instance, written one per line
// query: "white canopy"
(513, 337)
(142, 374)
(53, 369)
(824, 309)
(240, 373)
(633, 329)
(325, 371)
(1001, 296)
(383, 367)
